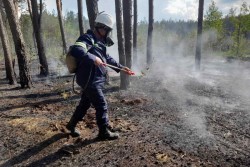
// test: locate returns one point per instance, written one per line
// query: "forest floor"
(172, 119)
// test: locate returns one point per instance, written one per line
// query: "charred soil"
(157, 127)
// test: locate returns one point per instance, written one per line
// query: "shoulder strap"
(84, 45)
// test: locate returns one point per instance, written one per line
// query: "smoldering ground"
(212, 105)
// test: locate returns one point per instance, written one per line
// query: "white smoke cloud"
(184, 10)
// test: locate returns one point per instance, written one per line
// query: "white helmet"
(105, 19)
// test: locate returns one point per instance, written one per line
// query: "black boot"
(71, 126)
(106, 134)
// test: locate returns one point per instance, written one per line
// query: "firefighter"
(91, 54)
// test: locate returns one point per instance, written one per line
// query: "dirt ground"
(162, 121)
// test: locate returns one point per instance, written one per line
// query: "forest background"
(227, 36)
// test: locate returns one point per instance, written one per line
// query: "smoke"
(57, 67)
(220, 86)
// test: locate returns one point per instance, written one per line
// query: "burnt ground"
(173, 119)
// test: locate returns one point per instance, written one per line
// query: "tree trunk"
(127, 18)
(135, 33)
(7, 53)
(59, 10)
(33, 33)
(150, 31)
(92, 8)
(25, 80)
(120, 37)
(44, 70)
(238, 39)
(80, 17)
(16, 8)
(199, 36)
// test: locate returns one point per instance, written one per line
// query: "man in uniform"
(91, 55)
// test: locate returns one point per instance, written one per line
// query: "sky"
(163, 9)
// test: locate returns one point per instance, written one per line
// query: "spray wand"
(129, 72)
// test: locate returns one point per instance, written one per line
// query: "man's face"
(105, 31)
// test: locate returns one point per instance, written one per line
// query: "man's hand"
(128, 71)
(98, 61)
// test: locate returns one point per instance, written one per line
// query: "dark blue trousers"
(95, 97)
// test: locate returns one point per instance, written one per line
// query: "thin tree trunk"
(80, 17)
(135, 33)
(33, 33)
(127, 18)
(120, 37)
(238, 40)
(16, 8)
(44, 70)
(7, 53)
(150, 31)
(59, 10)
(199, 35)
(25, 80)
(92, 8)
(40, 14)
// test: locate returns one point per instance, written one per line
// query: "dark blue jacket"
(88, 75)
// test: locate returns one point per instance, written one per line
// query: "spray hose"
(129, 72)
